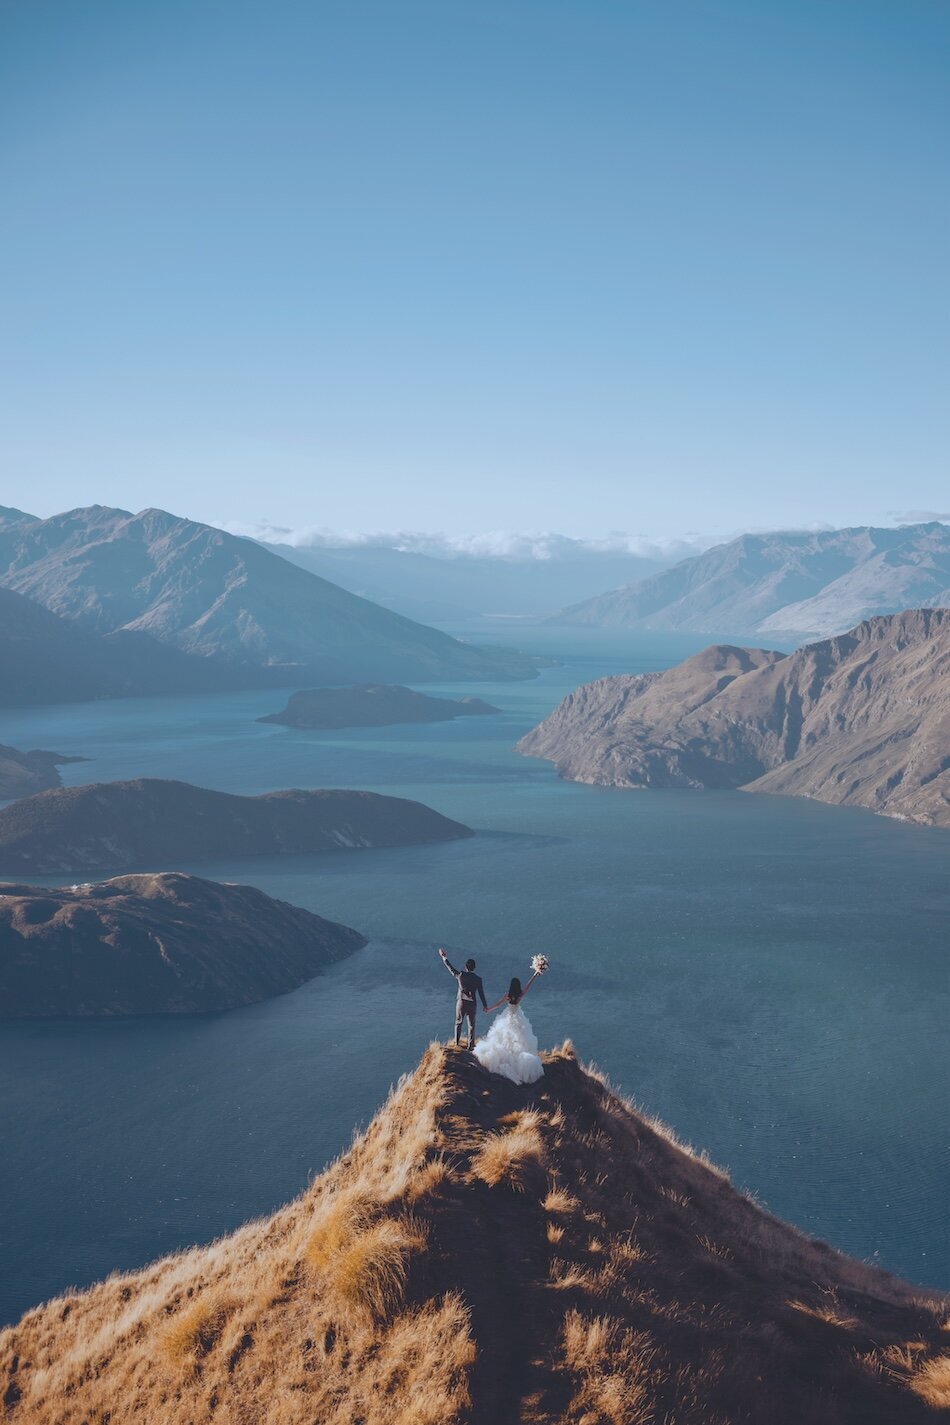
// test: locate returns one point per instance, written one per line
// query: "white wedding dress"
(511, 1047)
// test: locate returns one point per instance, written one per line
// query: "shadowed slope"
(47, 659)
(151, 821)
(201, 591)
(163, 943)
(489, 1253)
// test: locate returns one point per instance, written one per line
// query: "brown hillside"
(489, 1253)
(163, 943)
(862, 720)
(150, 820)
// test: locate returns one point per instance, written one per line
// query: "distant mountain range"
(862, 719)
(456, 588)
(212, 596)
(155, 944)
(785, 585)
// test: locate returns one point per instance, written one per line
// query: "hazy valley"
(226, 601)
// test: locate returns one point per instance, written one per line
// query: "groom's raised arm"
(448, 964)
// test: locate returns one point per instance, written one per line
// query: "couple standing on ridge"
(510, 1047)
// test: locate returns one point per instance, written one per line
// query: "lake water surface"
(769, 976)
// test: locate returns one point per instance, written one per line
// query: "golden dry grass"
(336, 1222)
(932, 1382)
(370, 1273)
(488, 1253)
(609, 1368)
(512, 1159)
(560, 1201)
(192, 1332)
(430, 1177)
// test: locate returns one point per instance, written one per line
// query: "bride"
(511, 1047)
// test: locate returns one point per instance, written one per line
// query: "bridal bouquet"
(539, 964)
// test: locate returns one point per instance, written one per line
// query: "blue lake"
(769, 976)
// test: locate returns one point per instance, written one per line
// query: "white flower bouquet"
(539, 964)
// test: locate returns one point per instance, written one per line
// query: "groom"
(469, 985)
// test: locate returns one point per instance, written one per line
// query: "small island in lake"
(22, 773)
(372, 705)
(155, 944)
(121, 825)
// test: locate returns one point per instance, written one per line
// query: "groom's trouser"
(465, 1009)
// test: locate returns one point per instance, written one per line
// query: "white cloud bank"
(507, 545)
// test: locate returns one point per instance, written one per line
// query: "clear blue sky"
(587, 266)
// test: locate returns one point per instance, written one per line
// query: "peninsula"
(22, 773)
(862, 720)
(155, 944)
(150, 822)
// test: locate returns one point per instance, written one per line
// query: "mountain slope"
(785, 584)
(47, 659)
(208, 593)
(862, 719)
(150, 821)
(155, 944)
(496, 1254)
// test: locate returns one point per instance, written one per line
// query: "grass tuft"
(195, 1330)
(932, 1382)
(369, 1274)
(513, 1160)
(336, 1222)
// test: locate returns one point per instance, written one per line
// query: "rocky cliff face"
(862, 719)
(149, 822)
(203, 592)
(785, 585)
(487, 1254)
(155, 944)
(372, 705)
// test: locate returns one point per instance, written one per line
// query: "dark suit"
(469, 985)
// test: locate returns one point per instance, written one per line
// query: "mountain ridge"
(862, 719)
(785, 584)
(210, 594)
(487, 1252)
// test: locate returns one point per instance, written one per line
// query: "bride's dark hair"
(514, 991)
